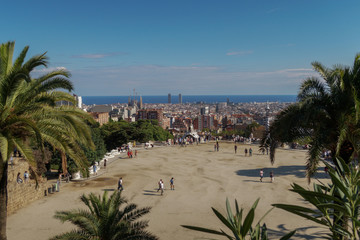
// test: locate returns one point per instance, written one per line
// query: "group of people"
(130, 153)
(246, 151)
(26, 177)
(262, 175)
(161, 185)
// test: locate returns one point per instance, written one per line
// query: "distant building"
(169, 98)
(101, 108)
(180, 98)
(204, 110)
(100, 117)
(141, 103)
(78, 101)
(205, 121)
(149, 114)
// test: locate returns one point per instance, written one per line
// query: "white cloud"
(158, 80)
(233, 53)
(98, 55)
(49, 69)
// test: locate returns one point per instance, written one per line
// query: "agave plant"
(336, 205)
(240, 229)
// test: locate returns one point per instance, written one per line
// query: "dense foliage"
(116, 134)
(30, 118)
(327, 114)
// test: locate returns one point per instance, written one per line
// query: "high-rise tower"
(267, 120)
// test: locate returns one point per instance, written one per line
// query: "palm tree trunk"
(3, 197)
(64, 163)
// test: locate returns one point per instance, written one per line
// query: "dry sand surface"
(203, 179)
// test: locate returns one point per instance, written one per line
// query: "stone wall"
(21, 194)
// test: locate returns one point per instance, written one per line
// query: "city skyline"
(188, 47)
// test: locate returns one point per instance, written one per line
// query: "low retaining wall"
(22, 194)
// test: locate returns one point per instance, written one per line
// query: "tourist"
(217, 146)
(159, 183)
(272, 176)
(95, 168)
(172, 186)
(11, 161)
(105, 163)
(120, 184)
(246, 151)
(26, 177)
(250, 152)
(235, 148)
(162, 187)
(261, 175)
(18, 178)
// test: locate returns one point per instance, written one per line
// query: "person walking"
(26, 177)
(235, 148)
(105, 163)
(261, 175)
(159, 183)
(162, 187)
(250, 152)
(246, 151)
(272, 176)
(95, 168)
(172, 186)
(120, 184)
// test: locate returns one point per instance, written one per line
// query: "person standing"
(261, 175)
(120, 184)
(26, 177)
(172, 186)
(18, 178)
(246, 151)
(105, 163)
(159, 183)
(95, 168)
(250, 152)
(162, 187)
(272, 176)
(235, 148)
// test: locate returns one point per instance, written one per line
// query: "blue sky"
(198, 47)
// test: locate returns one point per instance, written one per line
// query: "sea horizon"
(209, 99)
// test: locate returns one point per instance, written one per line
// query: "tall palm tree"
(29, 116)
(105, 220)
(326, 113)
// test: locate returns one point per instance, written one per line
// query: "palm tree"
(326, 113)
(29, 116)
(104, 219)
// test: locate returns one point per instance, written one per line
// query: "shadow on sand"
(151, 192)
(108, 189)
(300, 232)
(297, 171)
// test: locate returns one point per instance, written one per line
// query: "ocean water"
(89, 100)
